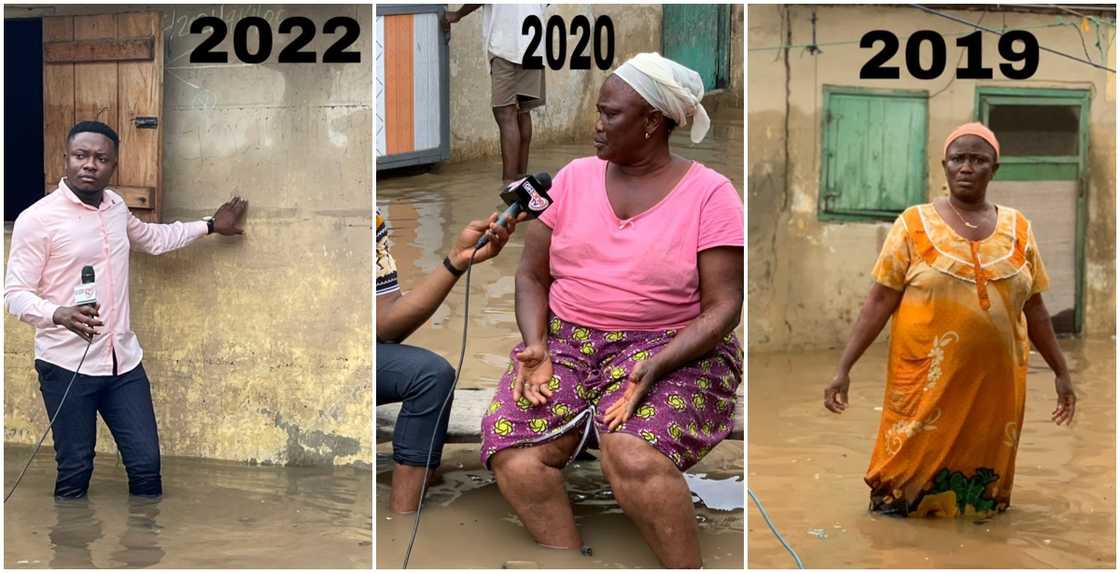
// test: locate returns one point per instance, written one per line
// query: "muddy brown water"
(212, 515)
(807, 466)
(467, 523)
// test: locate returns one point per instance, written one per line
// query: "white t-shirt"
(501, 30)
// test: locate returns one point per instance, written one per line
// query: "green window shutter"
(873, 156)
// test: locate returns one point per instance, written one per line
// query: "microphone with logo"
(85, 294)
(528, 195)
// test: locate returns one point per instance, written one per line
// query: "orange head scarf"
(977, 129)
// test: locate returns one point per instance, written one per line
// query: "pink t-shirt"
(640, 273)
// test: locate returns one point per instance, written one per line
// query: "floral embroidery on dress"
(903, 430)
(1011, 434)
(937, 354)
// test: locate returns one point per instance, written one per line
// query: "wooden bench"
(466, 416)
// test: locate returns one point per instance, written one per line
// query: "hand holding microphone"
(81, 319)
(476, 231)
(527, 199)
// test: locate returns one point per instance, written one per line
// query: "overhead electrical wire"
(998, 33)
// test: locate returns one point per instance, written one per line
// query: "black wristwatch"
(451, 268)
(209, 225)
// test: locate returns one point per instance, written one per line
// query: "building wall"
(569, 114)
(258, 347)
(807, 278)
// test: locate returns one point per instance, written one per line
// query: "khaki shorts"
(511, 84)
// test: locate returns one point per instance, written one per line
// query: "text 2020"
(603, 48)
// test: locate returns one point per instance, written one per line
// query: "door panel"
(1051, 207)
(96, 77)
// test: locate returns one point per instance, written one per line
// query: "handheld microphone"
(527, 195)
(86, 293)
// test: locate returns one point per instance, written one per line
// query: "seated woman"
(629, 289)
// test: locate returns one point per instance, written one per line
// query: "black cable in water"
(454, 383)
(51, 423)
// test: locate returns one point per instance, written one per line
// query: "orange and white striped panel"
(408, 89)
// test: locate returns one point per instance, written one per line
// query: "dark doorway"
(23, 115)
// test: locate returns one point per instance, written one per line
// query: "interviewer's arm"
(399, 315)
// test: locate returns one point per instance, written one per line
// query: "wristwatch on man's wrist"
(209, 225)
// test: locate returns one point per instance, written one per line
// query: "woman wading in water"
(962, 280)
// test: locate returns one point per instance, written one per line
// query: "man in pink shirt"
(85, 223)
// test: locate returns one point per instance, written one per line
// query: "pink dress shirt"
(51, 241)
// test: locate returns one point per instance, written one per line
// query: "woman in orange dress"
(962, 280)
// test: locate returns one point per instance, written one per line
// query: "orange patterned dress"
(956, 377)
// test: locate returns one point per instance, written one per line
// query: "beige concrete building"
(833, 158)
(259, 347)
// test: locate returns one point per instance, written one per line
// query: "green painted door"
(873, 153)
(1044, 140)
(699, 36)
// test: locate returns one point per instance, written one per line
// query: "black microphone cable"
(51, 424)
(447, 400)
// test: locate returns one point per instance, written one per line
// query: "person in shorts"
(514, 90)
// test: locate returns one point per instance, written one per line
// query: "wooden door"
(1043, 137)
(109, 68)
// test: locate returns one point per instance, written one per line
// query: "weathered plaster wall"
(807, 278)
(258, 347)
(570, 94)
(737, 68)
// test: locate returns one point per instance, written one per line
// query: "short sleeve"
(894, 259)
(721, 219)
(386, 266)
(1040, 280)
(551, 216)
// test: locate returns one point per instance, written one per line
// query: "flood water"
(212, 515)
(467, 523)
(807, 466)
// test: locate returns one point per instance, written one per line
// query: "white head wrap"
(671, 88)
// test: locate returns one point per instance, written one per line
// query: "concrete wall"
(807, 278)
(571, 94)
(259, 347)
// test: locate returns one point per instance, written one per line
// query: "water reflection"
(75, 529)
(467, 523)
(807, 466)
(212, 515)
